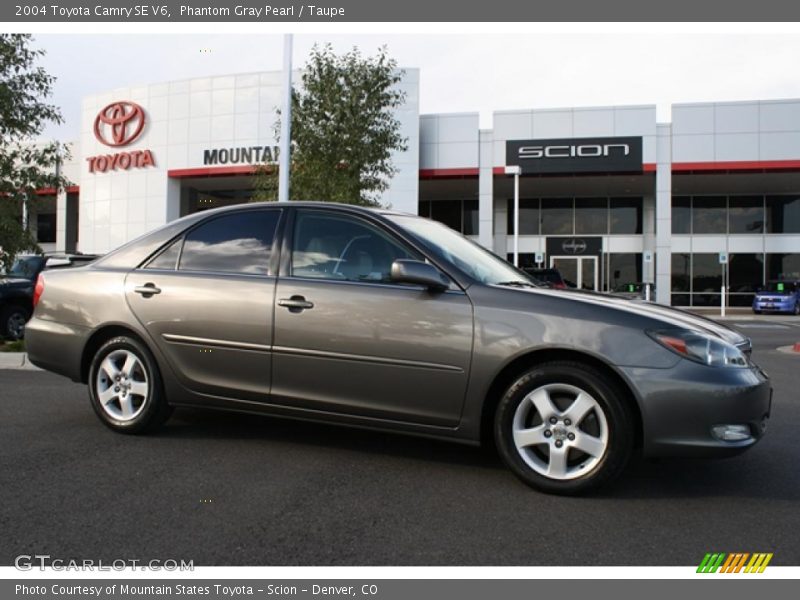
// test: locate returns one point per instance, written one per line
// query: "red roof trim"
(448, 173)
(737, 165)
(212, 171)
(72, 189)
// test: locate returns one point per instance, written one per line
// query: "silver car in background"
(389, 321)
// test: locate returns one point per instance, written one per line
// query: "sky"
(458, 73)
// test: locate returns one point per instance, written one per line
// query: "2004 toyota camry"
(384, 320)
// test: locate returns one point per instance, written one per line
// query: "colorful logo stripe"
(734, 562)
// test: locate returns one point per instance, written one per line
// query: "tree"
(343, 129)
(25, 166)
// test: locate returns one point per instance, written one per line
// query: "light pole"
(286, 122)
(515, 170)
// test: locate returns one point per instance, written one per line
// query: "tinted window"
(168, 259)
(783, 214)
(706, 273)
(556, 216)
(745, 272)
(470, 217)
(681, 270)
(681, 214)
(591, 215)
(624, 269)
(328, 246)
(528, 217)
(746, 214)
(626, 215)
(236, 243)
(709, 214)
(447, 212)
(783, 266)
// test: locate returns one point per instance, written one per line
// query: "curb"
(16, 361)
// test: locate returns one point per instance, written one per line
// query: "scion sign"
(576, 155)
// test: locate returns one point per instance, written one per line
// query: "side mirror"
(420, 273)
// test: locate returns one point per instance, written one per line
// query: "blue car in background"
(778, 296)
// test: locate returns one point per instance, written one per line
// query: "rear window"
(234, 243)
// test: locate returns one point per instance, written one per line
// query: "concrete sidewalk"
(16, 360)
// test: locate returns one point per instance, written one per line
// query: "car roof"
(311, 204)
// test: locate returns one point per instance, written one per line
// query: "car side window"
(342, 248)
(240, 242)
(168, 258)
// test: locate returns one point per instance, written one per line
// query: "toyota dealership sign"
(117, 125)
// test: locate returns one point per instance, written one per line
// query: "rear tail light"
(38, 290)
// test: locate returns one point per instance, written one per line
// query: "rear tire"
(12, 322)
(563, 428)
(125, 387)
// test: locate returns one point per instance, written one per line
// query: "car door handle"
(295, 303)
(147, 290)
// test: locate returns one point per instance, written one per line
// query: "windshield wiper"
(517, 283)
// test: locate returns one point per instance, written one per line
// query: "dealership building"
(608, 195)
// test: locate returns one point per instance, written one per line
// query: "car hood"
(781, 295)
(669, 316)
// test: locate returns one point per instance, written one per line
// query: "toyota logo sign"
(119, 123)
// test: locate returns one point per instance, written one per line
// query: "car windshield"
(781, 287)
(25, 267)
(466, 255)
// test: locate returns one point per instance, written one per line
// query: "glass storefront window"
(682, 214)
(528, 216)
(745, 277)
(706, 273)
(424, 209)
(783, 266)
(681, 272)
(470, 217)
(447, 212)
(745, 272)
(709, 214)
(556, 216)
(623, 269)
(461, 215)
(783, 214)
(591, 216)
(626, 215)
(746, 214)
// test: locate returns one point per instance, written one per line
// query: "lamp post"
(515, 170)
(286, 122)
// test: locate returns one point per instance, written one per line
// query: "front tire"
(125, 387)
(563, 428)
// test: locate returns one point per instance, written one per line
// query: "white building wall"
(185, 118)
(736, 131)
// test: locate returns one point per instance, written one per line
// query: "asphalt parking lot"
(243, 490)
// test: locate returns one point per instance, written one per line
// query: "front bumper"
(773, 305)
(681, 405)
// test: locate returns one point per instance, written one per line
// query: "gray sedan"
(383, 320)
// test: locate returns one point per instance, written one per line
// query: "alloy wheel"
(122, 385)
(560, 431)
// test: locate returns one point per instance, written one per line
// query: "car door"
(348, 340)
(207, 302)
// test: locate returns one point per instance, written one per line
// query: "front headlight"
(700, 347)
